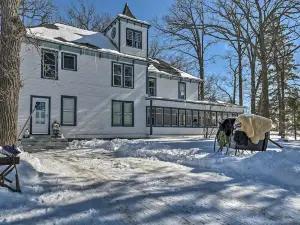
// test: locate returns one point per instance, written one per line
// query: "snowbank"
(277, 167)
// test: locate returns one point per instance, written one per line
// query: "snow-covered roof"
(71, 34)
(160, 67)
(64, 34)
(135, 20)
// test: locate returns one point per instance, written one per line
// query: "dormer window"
(134, 38)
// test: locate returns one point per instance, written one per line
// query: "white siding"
(92, 86)
(130, 50)
(167, 88)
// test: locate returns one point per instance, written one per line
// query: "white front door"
(40, 117)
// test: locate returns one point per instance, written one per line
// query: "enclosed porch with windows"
(181, 117)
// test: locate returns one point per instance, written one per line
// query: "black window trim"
(133, 36)
(62, 61)
(122, 113)
(42, 63)
(61, 110)
(122, 75)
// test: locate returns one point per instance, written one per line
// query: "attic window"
(134, 38)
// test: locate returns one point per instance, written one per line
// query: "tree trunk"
(253, 89)
(265, 110)
(295, 126)
(240, 75)
(234, 88)
(282, 106)
(279, 97)
(10, 83)
(202, 66)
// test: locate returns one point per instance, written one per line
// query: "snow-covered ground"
(178, 180)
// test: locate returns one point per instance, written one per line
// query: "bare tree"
(37, 12)
(155, 48)
(12, 31)
(180, 28)
(256, 17)
(84, 15)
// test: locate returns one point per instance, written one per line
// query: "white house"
(99, 85)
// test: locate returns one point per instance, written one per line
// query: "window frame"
(61, 110)
(122, 113)
(155, 86)
(45, 50)
(161, 115)
(134, 32)
(179, 94)
(186, 117)
(123, 65)
(170, 114)
(195, 112)
(63, 61)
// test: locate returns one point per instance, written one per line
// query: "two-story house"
(104, 85)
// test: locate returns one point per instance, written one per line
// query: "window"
(134, 38)
(117, 74)
(68, 110)
(122, 114)
(152, 118)
(195, 119)
(213, 119)
(224, 115)
(167, 117)
(207, 119)
(122, 75)
(189, 120)
(69, 61)
(159, 117)
(152, 86)
(201, 119)
(181, 90)
(181, 117)
(128, 76)
(49, 64)
(175, 117)
(219, 118)
(234, 114)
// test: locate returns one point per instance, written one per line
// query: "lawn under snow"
(280, 167)
(176, 180)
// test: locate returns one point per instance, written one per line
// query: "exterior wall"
(130, 50)
(167, 88)
(116, 39)
(91, 84)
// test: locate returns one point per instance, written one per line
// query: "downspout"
(151, 128)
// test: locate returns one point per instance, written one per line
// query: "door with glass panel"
(40, 117)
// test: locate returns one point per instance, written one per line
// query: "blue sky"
(142, 9)
(147, 10)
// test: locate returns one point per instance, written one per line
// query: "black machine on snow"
(228, 138)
